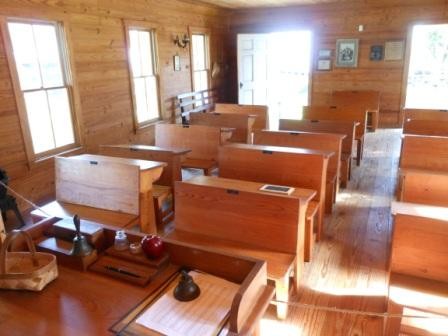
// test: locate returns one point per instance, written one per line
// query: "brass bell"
(81, 246)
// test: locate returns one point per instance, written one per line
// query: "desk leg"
(282, 294)
(147, 213)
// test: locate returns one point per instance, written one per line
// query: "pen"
(121, 271)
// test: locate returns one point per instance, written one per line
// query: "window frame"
(207, 34)
(152, 29)
(70, 83)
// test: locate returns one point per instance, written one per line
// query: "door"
(252, 69)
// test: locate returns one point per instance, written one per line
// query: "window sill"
(38, 162)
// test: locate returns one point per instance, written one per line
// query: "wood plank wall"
(383, 20)
(98, 43)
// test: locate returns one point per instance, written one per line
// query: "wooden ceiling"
(234, 4)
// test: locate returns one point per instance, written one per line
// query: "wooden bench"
(425, 127)
(195, 102)
(297, 167)
(424, 187)
(237, 218)
(261, 111)
(203, 141)
(103, 188)
(318, 141)
(348, 113)
(366, 99)
(425, 114)
(418, 282)
(241, 123)
(163, 190)
(424, 153)
(347, 128)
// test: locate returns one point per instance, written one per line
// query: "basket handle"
(9, 239)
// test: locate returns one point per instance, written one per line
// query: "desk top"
(144, 165)
(305, 195)
(133, 147)
(291, 150)
(419, 210)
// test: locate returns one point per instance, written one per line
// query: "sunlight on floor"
(436, 324)
(271, 327)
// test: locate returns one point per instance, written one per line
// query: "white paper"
(201, 316)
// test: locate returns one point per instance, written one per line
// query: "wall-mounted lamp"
(182, 42)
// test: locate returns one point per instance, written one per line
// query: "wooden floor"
(348, 269)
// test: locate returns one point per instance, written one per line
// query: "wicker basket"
(25, 270)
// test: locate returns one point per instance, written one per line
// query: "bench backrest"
(424, 187)
(319, 141)
(172, 172)
(202, 140)
(425, 114)
(293, 167)
(425, 127)
(240, 122)
(424, 152)
(237, 211)
(350, 113)
(419, 247)
(104, 185)
(324, 126)
(368, 99)
(261, 111)
(195, 102)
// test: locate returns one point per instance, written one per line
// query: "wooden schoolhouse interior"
(224, 167)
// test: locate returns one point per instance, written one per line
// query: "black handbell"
(81, 246)
(187, 289)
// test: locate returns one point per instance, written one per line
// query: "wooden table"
(172, 156)
(86, 303)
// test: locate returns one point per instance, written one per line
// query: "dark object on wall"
(376, 53)
(8, 202)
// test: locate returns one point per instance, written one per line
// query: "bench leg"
(329, 197)
(309, 239)
(393, 325)
(282, 294)
(358, 151)
(345, 172)
(208, 171)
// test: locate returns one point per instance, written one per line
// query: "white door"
(253, 69)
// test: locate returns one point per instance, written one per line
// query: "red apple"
(152, 246)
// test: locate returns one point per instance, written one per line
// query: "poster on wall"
(347, 53)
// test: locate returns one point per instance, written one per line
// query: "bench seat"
(68, 210)
(279, 264)
(417, 296)
(205, 165)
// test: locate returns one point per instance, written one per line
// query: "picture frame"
(324, 53)
(176, 62)
(347, 53)
(376, 53)
(324, 65)
(394, 51)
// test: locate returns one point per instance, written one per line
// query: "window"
(427, 82)
(200, 68)
(143, 63)
(42, 72)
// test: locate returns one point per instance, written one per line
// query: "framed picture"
(176, 62)
(324, 65)
(376, 53)
(394, 51)
(347, 53)
(324, 53)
